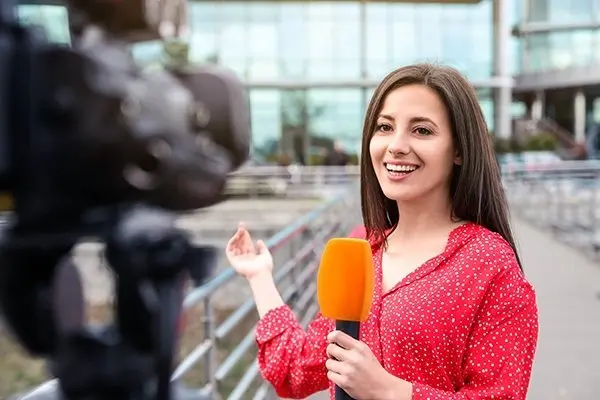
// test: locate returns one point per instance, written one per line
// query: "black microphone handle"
(350, 328)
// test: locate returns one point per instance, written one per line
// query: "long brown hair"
(476, 185)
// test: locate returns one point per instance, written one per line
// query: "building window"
(563, 11)
(309, 41)
(561, 50)
(53, 19)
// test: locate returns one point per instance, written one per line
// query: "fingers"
(233, 245)
(337, 379)
(336, 352)
(241, 243)
(335, 366)
(343, 340)
(337, 372)
(261, 247)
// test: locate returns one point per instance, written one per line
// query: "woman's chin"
(400, 195)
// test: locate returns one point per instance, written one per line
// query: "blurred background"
(310, 68)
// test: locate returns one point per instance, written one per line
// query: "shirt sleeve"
(290, 358)
(358, 232)
(501, 347)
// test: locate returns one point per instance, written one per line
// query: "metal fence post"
(594, 217)
(292, 250)
(208, 323)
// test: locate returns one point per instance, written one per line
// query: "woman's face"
(412, 148)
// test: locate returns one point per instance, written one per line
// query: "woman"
(453, 317)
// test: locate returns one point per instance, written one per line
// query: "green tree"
(541, 141)
(297, 116)
(176, 53)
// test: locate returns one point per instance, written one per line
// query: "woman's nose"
(399, 144)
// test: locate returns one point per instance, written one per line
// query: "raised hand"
(246, 257)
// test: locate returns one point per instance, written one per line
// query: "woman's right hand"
(247, 258)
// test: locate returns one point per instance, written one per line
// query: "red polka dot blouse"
(462, 326)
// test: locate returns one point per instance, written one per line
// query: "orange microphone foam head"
(345, 280)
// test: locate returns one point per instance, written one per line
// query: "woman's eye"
(384, 128)
(423, 131)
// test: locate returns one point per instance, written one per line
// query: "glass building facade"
(270, 43)
(559, 55)
(306, 63)
(564, 34)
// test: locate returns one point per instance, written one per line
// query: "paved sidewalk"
(567, 365)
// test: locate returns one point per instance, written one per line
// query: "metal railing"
(567, 146)
(562, 197)
(297, 248)
(292, 181)
(223, 369)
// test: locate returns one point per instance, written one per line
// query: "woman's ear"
(457, 159)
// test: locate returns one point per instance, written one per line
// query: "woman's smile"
(398, 171)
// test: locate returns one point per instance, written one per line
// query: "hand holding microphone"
(355, 370)
(345, 283)
(345, 292)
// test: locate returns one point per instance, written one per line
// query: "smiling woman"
(453, 316)
(413, 144)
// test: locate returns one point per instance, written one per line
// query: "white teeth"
(400, 168)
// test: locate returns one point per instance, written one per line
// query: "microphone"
(345, 286)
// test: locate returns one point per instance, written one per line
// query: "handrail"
(296, 249)
(306, 169)
(293, 180)
(272, 243)
(568, 147)
(554, 167)
(563, 198)
(304, 240)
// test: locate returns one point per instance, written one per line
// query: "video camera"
(92, 147)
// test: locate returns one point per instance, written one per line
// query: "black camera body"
(94, 148)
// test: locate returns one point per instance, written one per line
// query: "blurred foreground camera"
(93, 147)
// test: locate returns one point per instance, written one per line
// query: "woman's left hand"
(353, 367)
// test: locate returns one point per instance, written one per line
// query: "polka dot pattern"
(463, 325)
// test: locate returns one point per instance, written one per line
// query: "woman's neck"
(421, 219)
